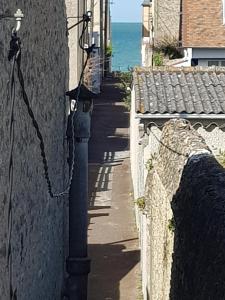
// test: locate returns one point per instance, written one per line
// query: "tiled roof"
(202, 24)
(171, 90)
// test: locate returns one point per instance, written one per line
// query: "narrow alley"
(113, 239)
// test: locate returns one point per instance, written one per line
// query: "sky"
(126, 10)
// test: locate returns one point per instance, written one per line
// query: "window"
(194, 62)
(217, 63)
(213, 63)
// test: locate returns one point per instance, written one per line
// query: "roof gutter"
(181, 116)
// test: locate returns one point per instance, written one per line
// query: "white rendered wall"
(215, 139)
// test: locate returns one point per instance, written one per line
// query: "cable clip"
(19, 16)
(90, 49)
(87, 17)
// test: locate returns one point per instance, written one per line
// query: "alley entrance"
(113, 239)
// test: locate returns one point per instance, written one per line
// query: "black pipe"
(78, 263)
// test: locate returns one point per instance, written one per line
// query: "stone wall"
(177, 142)
(37, 220)
(183, 249)
(166, 15)
(199, 243)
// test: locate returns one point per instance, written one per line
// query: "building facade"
(193, 29)
(203, 32)
(161, 25)
(34, 232)
(194, 95)
(32, 223)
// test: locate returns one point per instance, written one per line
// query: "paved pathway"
(113, 242)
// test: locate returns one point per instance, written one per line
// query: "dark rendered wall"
(37, 237)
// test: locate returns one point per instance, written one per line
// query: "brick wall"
(203, 24)
(37, 220)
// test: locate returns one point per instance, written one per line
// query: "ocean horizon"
(126, 44)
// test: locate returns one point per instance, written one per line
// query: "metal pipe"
(106, 68)
(78, 263)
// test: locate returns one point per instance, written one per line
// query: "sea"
(126, 45)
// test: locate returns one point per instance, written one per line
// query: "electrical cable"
(15, 48)
(85, 19)
(85, 26)
(14, 55)
(163, 144)
(71, 27)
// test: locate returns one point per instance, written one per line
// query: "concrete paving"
(113, 239)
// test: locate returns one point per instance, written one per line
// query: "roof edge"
(181, 116)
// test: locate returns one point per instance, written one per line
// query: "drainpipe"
(78, 263)
(181, 24)
(101, 38)
(106, 23)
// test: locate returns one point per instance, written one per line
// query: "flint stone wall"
(37, 221)
(199, 242)
(185, 261)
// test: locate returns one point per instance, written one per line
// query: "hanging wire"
(71, 27)
(12, 293)
(35, 123)
(85, 26)
(85, 19)
(14, 56)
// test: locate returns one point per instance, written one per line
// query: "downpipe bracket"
(78, 266)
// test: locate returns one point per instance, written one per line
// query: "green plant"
(158, 59)
(127, 101)
(109, 50)
(149, 163)
(169, 47)
(171, 224)
(221, 157)
(140, 202)
(125, 82)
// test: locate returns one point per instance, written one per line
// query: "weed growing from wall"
(149, 163)
(158, 59)
(171, 225)
(221, 157)
(140, 202)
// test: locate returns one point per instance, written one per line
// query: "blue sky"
(126, 10)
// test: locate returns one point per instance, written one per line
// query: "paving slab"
(112, 234)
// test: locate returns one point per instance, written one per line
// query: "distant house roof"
(146, 3)
(171, 90)
(202, 24)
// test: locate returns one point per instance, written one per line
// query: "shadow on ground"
(110, 120)
(111, 264)
(108, 146)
